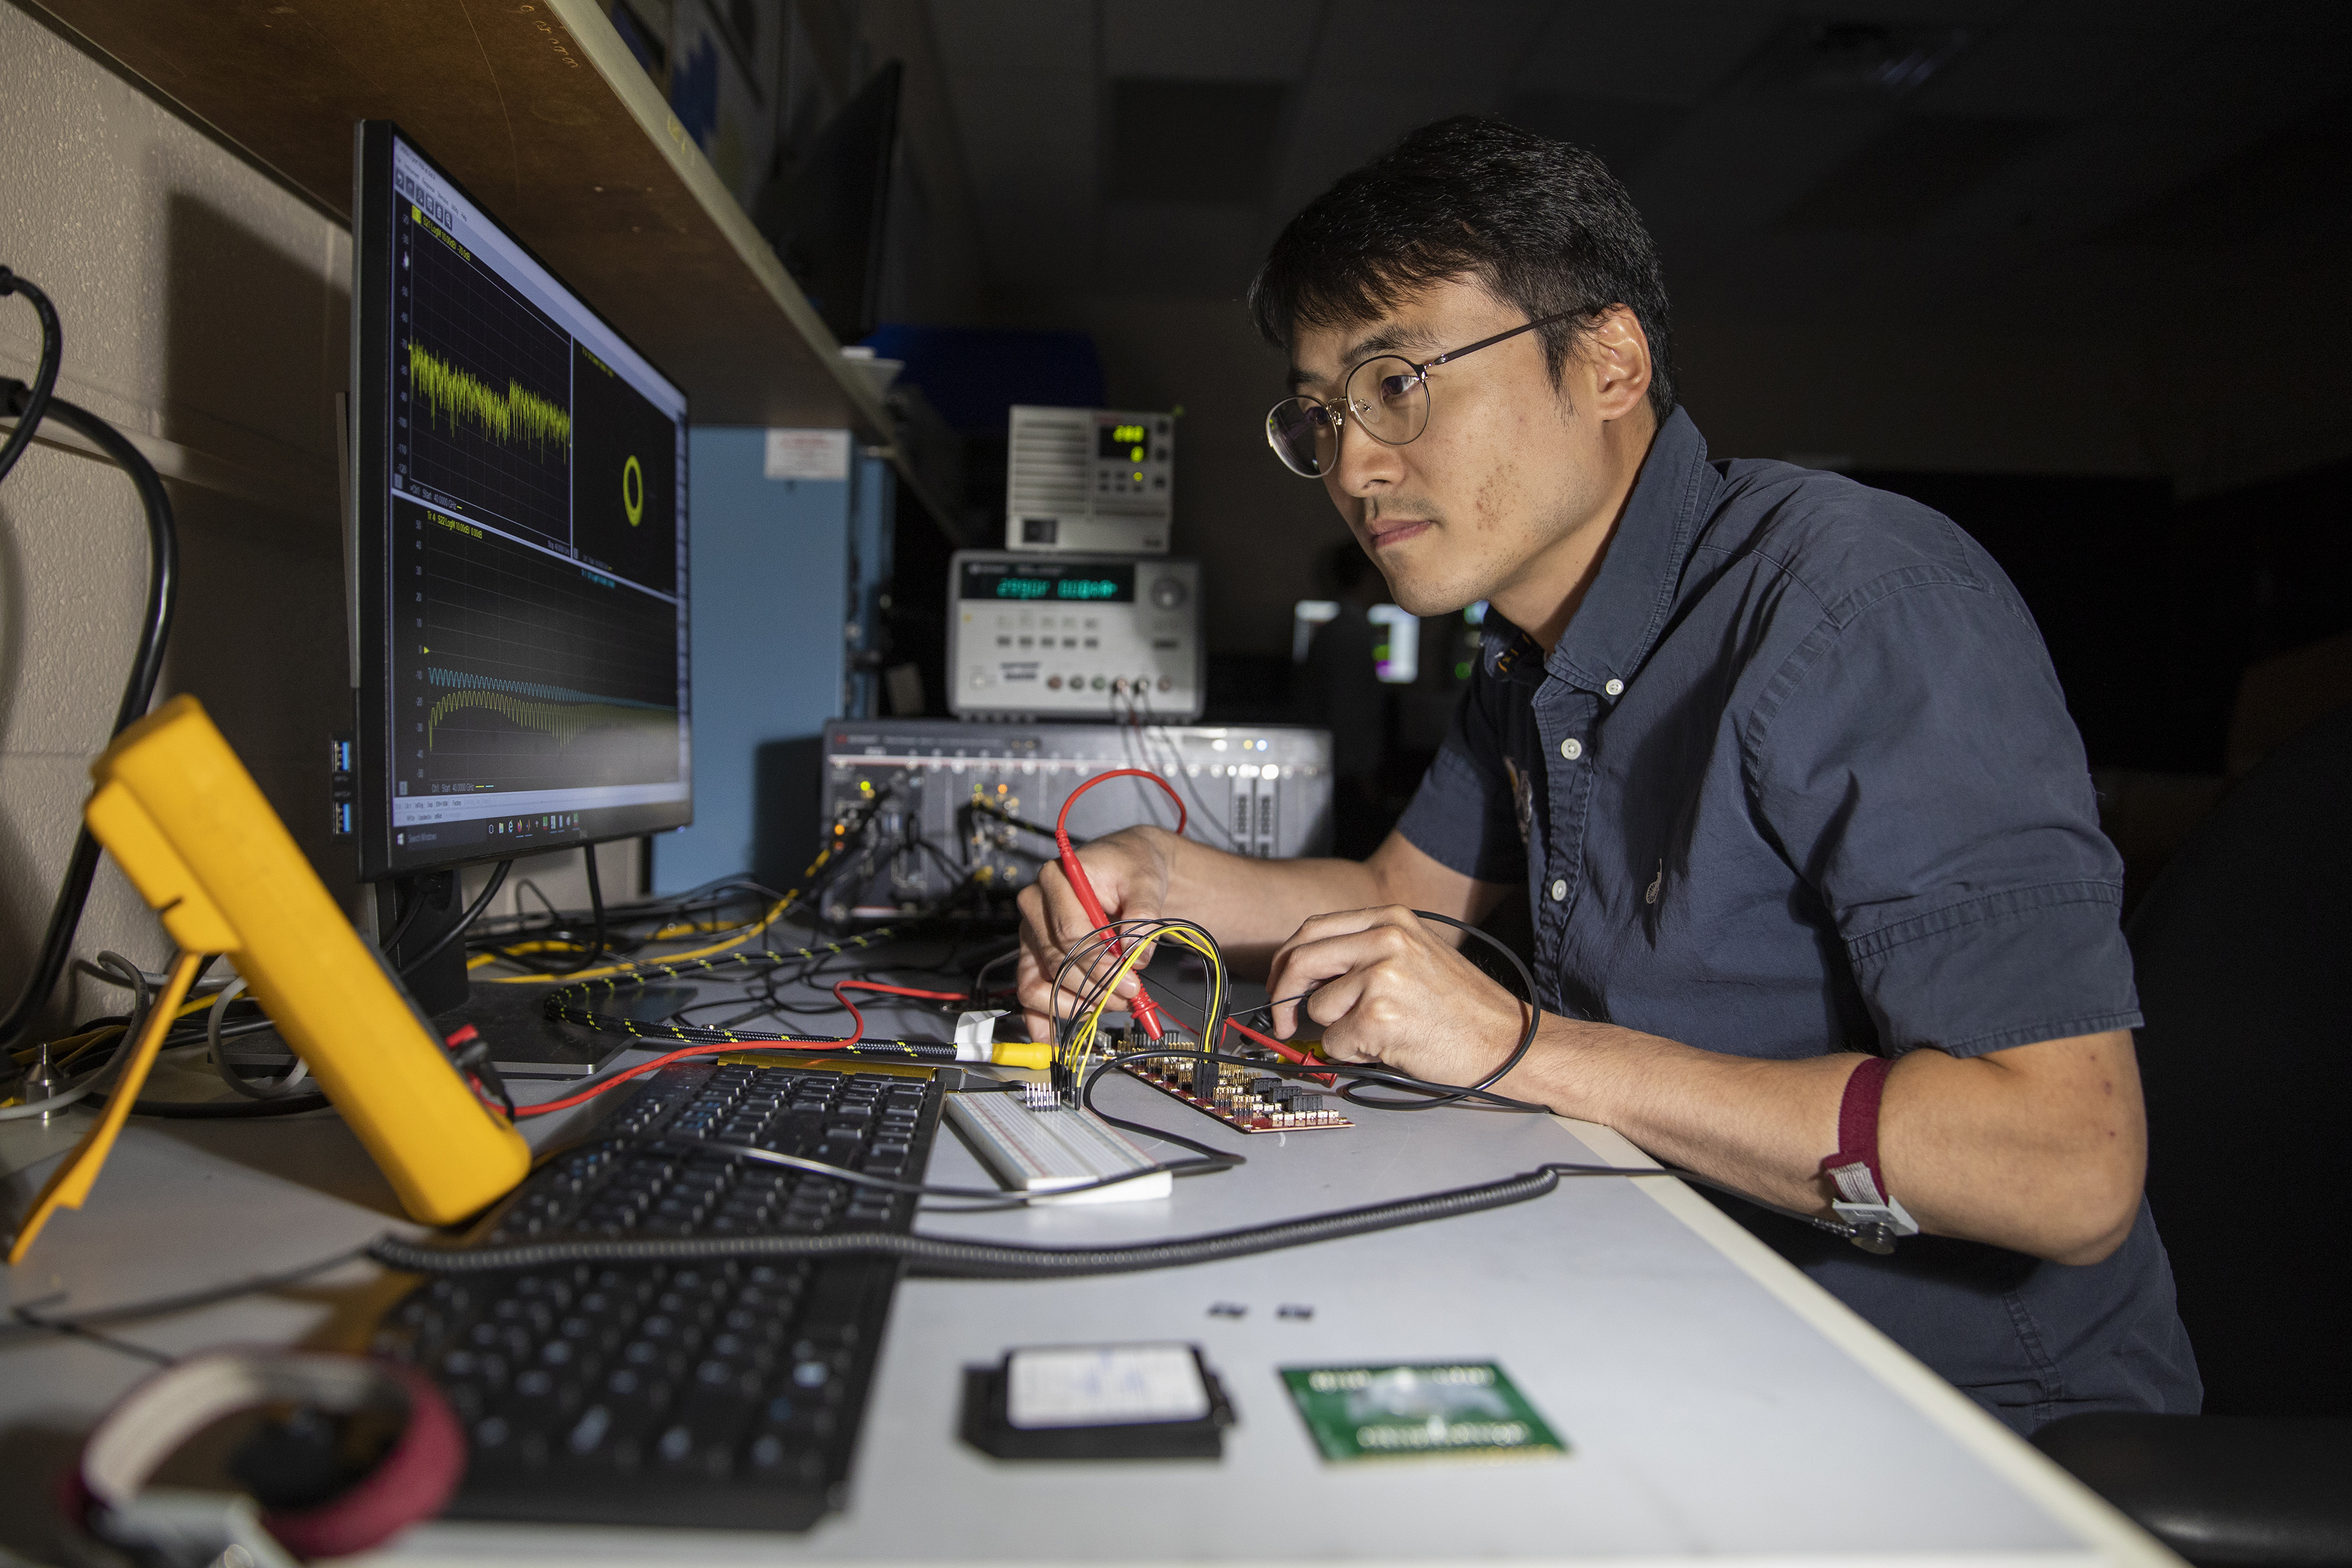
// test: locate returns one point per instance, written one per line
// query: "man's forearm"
(2040, 1149)
(1251, 906)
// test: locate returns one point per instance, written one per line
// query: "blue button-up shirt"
(1798, 778)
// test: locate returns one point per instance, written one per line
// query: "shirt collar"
(1627, 606)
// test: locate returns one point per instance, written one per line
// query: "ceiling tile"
(2291, 183)
(1621, 131)
(1393, 66)
(1665, 53)
(2052, 66)
(1916, 165)
(1191, 141)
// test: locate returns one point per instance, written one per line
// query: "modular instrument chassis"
(933, 797)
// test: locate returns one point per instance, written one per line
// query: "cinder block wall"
(206, 308)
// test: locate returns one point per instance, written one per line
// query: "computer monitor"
(1396, 650)
(520, 550)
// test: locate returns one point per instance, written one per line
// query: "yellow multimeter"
(188, 825)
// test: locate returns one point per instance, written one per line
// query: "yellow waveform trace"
(567, 722)
(517, 415)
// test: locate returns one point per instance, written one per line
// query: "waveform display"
(485, 378)
(518, 417)
(565, 721)
(451, 678)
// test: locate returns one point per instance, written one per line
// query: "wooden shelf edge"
(593, 34)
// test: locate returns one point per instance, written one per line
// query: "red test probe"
(1142, 1009)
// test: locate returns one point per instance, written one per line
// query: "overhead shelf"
(540, 111)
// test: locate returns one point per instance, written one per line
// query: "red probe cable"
(1142, 1009)
(1288, 1053)
(857, 1020)
(549, 1107)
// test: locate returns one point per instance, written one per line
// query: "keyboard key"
(700, 1435)
(775, 1458)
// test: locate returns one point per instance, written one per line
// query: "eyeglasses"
(1387, 396)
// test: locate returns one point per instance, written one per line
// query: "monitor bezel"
(369, 533)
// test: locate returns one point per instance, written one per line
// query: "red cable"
(1142, 1009)
(618, 1078)
(1288, 1053)
(857, 1020)
(585, 1096)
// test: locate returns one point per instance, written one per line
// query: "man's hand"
(1130, 872)
(1388, 988)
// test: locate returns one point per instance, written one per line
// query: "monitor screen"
(1396, 633)
(1396, 657)
(520, 543)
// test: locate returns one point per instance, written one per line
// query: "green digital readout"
(1123, 443)
(1064, 588)
(1090, 583)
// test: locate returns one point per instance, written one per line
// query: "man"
(1779, 761)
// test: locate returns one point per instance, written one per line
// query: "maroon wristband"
(1855, 1167)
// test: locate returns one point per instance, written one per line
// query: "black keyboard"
(722, 1395)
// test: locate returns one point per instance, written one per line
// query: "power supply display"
(926, 811)
(1090, 478)
(1074, 636)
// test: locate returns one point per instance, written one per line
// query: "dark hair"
(1541, 222)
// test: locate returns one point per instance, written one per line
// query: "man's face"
(1507, 476)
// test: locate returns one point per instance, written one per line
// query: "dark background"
(2077, 273)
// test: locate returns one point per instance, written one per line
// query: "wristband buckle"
(1876, 1227)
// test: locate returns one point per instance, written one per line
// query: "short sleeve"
(1466, 815)
(1915, 762)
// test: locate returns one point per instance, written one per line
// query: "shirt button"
(1558, 888)
(1571, 748)
(1615, 688)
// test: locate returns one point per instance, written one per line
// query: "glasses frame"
(1421, 376)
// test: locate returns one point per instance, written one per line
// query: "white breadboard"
(1044, 1151)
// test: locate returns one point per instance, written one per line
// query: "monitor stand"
(524, 1043)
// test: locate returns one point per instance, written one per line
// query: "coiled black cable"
(942, 1257)
(30, 406)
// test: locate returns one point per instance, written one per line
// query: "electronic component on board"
(1247, 1099)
